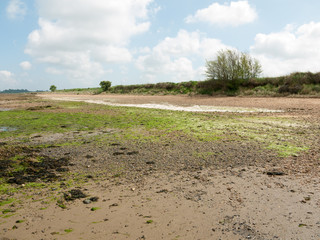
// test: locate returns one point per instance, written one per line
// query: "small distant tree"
(53, 88)
(231, 65)
(105, 85)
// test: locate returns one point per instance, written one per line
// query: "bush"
(292, 89)
(53, 88)
(105, 85)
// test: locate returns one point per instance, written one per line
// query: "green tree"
(105, 85)
(53, 88)
(232, 65)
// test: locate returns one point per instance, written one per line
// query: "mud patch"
(241, 228)
(20, 165)
(37, 108)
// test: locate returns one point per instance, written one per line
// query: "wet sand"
(245, 201)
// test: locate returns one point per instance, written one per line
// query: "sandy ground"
(251, 102)
(230, 204)
(241, 202)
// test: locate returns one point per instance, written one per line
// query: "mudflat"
(75, 169)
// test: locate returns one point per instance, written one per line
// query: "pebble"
(94, 199)
(87, 201)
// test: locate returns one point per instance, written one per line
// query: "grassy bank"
(297, 84)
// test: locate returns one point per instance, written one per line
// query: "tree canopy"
(105, 85)
(233, 65)
(53, 88)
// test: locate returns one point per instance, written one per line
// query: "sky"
(79, 43)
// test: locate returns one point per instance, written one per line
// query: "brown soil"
(162, 191)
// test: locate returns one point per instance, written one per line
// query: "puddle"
(194, 108)
(7, 129)
(5, 109)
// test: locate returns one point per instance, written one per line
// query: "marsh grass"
(136, 124)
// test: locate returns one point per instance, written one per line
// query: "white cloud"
(112, 54)
(25, 65)
(291, 50)
(7, 80)
(80, 38)
(16, 9)
(235, 14)
(172, 59)
(5, 74)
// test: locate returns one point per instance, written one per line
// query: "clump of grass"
(5, 211)
(6, 202)
(94, 209)
(68, 230)
(149, 221)
(61, 204)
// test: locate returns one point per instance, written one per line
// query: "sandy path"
(261, 102)
(308, 108)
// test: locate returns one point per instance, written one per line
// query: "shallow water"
(4, 109)
(7, 129)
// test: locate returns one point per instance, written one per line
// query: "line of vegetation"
(298, 84)
(232, 73)
(15, 91)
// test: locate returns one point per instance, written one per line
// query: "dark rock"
(150, 162)
(118, 153)
(74, 194)
(163, 191)
(94, 199)
(274, 173)
(114, 144)
(133, 153)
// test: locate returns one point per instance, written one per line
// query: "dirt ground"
(165, 194)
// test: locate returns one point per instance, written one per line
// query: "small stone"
(133, 189)
(94, 199)
(87, 201)
(307, 198)
(150, 162)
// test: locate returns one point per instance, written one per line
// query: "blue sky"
(45, 42)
